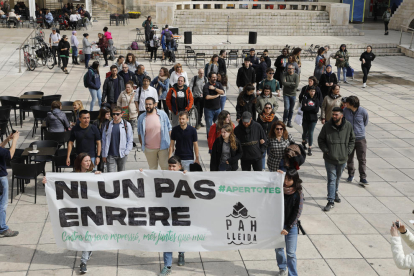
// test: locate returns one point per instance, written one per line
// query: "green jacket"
(342, 63)
(290, 83)
(336, 143)
(145, 21)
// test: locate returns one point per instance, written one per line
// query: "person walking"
(292, 61)
(269, 80)
(197, 84)
(222, 61)
(87, 49)
(179, 98)
(108, 36)
(290, 81)
(127, 75)
(246, 101)
(337, 141)
(112, 88)
(253, 141)
(56, 120)
(226, 151)
(184, 142)
(310, 108)
(127, 104)
(104, 117)
(386, 16)
(293, 201)
(358, 117)
(117, 140)
(103, 46)
(222, 78)
(264, 98)
(54, 40)
(366, 58)
(94, 84)
(6, 155)
(143, 93)
(342, 62)
(147, 25)
(261, 71)
(178, 72)
(161, 84)
(320, 62)
(213, 65)
(132, 63)
(266, 119)
(280, 64)
(211, 94)
(223, 118)
(154, 45)
(154, 130)
(331, 101)
(296, 55)
(327, 80)
(245, 75)
(64, 47)
(312, 82)
(279, 140)
(75, 44)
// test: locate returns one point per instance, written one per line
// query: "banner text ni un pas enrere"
(165, 211)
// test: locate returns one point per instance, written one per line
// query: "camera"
(397, 224)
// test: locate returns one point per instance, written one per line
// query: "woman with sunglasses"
(266, 119)
(279, 140)
(64, 47)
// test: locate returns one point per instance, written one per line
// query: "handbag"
(125, 109)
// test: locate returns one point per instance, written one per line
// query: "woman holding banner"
(293, 198)
(82, 164)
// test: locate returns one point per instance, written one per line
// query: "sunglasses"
(116, 114)
(279, 128)
(270, 73)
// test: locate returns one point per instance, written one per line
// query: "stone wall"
(403, 16)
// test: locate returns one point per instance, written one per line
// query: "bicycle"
(43, 52)
(29, 61)
(312, 52)
(39, 32)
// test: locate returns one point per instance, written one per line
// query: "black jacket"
(245, 76)
(326, 90)
(310, 108)
(279, 68)
(246, 103)
(217, 151)
(261, 71)
(268, 62)
(368, 58)
(292, 204)
(128, 76)
(64, 45)
(249, 138)
(318, 94)
(222, 65)
(267, 125)
(255, 61)
(108, 89)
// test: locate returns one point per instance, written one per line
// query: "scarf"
(334, 96)
(267, 118)
(162, 79)
(288, 190)
(328, 74)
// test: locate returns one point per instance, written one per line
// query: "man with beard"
(154, 131)
(336, 140)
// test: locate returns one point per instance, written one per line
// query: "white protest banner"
(166, 211)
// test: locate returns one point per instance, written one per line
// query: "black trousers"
(65, 61)
(199, 104)
(54, 52)
(105, 55)
(153, 52)
(247, 165)
(164, 105)
(365, 70)
(386, 26)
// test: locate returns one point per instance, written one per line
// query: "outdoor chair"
(44, 144)
(25, 106)
(59, 160)
(13, 102)
(190, 55)
(48, 100)
(5, 117)
(200, 56)
(39, 114)
(67, 103)
(60, 137)
(22, 172)
(233, 55)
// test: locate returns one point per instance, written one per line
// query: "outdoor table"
(67, 108)
(118, 17)
(46, 151)
(31, 97)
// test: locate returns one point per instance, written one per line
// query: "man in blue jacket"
(358, 117)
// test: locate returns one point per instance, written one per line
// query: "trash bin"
(252, 37)
(188, 37)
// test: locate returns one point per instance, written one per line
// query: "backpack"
(125, 125)
(85, 79)
(156, 42)
(134, 45)
(167, 36)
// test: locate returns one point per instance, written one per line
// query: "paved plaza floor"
(352, 239)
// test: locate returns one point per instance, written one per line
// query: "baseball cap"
(246, 117)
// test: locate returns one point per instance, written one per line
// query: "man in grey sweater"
(358, 117)
(197, 83)
(290, 82)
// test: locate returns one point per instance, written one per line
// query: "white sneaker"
(364, 85)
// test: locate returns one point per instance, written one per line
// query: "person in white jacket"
(401, 260)
(178, 72)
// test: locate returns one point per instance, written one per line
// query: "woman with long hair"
(266, 119)
(161, 83)
(279, 140)
(104, 117)
(131, 62)
(342, 62)
(319, 63)
(94, 84)
(77, 107)
(293, 200)
(213, 65)
(64, 47)
(310, 108)
(178, 72)
(246, 101)
(366, 58)
(312, 82)
(223, 118)
(296, 55)
(126, 100)
(331, 101)
(154, 44)
(222, 78)
(226, 151)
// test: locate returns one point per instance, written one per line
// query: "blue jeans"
(339, 73)
(86, 255)
(87, 58)
(74, 51)
(210, 115)
(94, 94)
(334, 173)
(3, 203)
(223, 101)
(291, 241)
(264, 158)
(186, 164)
(308, 128)
(289, 102)
(168, 258)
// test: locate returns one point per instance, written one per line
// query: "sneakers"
(364, 85)
(363, 181)
(9, 233)
(181, 260)
(304, 145)
(198, 126)
(329, 206)
(284, 122)
(346, 82)
(283, 273)
(105, 65)
(165, 271)
(83, 268)
(337, 199)
(202, 125)
(289, 124)
(350, 179)
(309, 152)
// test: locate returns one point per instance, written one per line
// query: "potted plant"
(134, 14)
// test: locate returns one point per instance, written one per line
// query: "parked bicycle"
(311, 52)
(44, 52)
(28, 59)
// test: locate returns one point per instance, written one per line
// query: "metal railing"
(26, 41)
(408, 29)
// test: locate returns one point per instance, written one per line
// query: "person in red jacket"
(179, 98)
(224, 118)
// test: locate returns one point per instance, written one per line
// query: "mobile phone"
(14, 131)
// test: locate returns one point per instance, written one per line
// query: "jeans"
(264, 158)
(3, 203)
(339, 73)
(291, 241)
(115, 162)
(247, 165)
(223, 101)
(365, 71)
(86, 255)
(94, 94)
(168, 258)
(361, 153)
(87, 58)
(308, 128)
(210, 115)
(289, 102)
(186, 164)
(93, 160)
(334, 173)
(74, 51)
(199, 104)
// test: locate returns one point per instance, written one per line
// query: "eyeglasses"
(268, 108)
(116, 114)
(279, 128)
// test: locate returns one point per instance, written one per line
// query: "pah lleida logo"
(241, 227)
